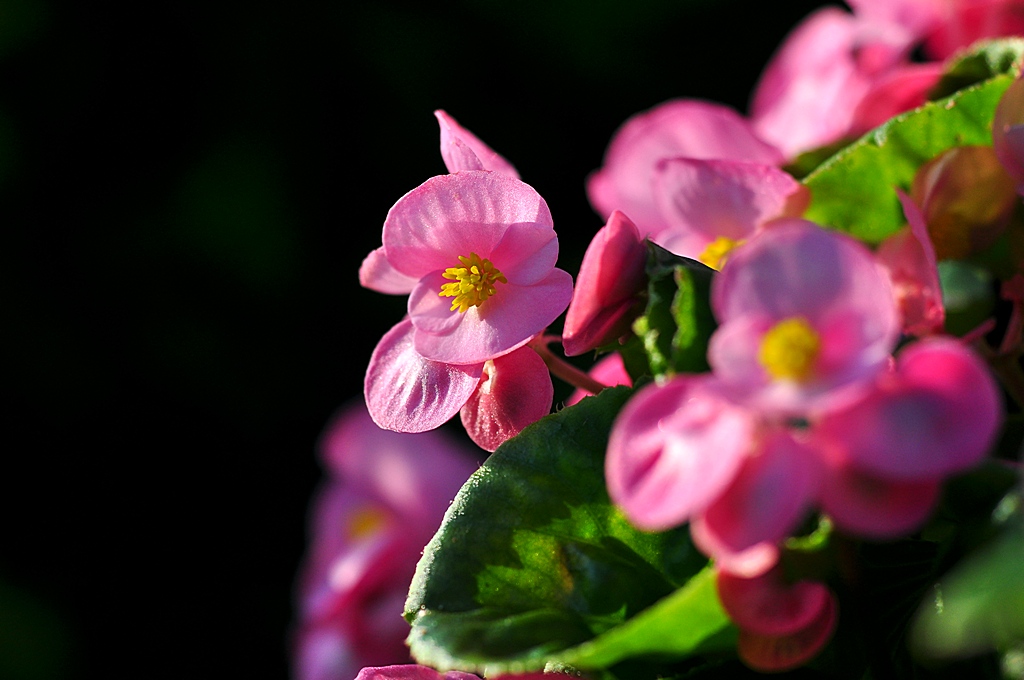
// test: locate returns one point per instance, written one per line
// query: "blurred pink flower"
(806, 317)
(711, 206)
(679, 128)
(608, 290)
(382, 500)
(415, 672)
(810, 90)
(782, 625)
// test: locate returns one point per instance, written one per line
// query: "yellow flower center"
(364, 522)
(472, 283)
(789, 349)
(718, 251)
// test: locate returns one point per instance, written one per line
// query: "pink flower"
(782, 625)
(680, 128)
(462, 150)
(806, 316)
(383, 499)
(810, 90)
(711, 206)
(481, 249)
(909, 257)
(608, 288)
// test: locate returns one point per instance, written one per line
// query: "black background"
(187, 192)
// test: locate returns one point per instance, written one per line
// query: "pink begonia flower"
(810, 90)
(909, 257)
(485, 240)
(382, 500)
(711, 206)
(462, 150)
(1008, 132)
(610, 371)
(680, 128)
(806, 316)
(609, 287)
(782, 625)
(515, 391)
(482, 248)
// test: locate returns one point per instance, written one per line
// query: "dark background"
(186, 192)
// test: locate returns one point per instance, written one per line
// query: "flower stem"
(562, 369)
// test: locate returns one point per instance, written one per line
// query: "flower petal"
(515, 391)
(376, 273)
(767, 605)
(673, 449)
(454, 215)
(462, 150)
(408, 393)
(937, 414)
(870, 506)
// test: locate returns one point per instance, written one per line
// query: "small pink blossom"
(481, 249)
(608, 288)
(680, 128)
(382, 500)
(711, 206)
(806, 316)
(782, 625)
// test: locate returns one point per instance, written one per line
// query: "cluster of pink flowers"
(833, 388)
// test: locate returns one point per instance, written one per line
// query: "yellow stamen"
(474, 282)
(364, 522)
(789, 349)
(718, 251)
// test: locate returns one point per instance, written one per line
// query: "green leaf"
(678, 321)
(985, 60)
(534, 566)
(853, 191)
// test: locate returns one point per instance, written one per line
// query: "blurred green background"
(187, 192)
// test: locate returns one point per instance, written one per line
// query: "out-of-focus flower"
(712, 206)
(810, 91)
(909, 257)
(482, 250)
(609, 287)
(806, 316)
(680, 128)
(462, 150)
(382, 500)
(781, 625)
(815, 414)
